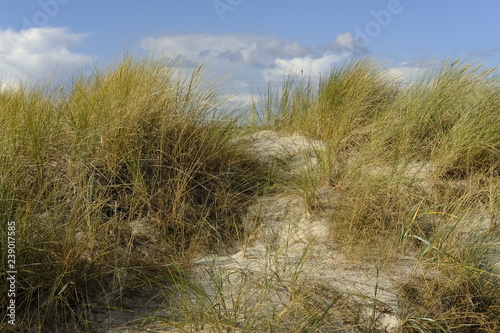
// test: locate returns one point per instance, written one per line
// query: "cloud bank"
(38, 54)
(251, 61)
(255, 60)
(270, 55)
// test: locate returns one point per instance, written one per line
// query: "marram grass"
(415, 166)
(138, 146)
(131, 172)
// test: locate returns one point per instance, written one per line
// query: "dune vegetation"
(119, 181)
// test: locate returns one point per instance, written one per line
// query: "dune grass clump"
(414, 167)
(397, 141)
(345, 101)
(132, 169)
(449, 117)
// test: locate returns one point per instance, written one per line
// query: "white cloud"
(344, 44)
(242, 57)
(38, 54)
(401, 74)
(412, 72)
(254, 60)
(309, 65)
(245, 49)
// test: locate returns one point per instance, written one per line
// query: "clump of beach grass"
(415, 169)
(129, 169)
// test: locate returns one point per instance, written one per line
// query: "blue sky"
(255, 40)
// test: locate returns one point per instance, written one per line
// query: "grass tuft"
(132, 167)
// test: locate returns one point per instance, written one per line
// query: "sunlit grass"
(414, 167)
(120, 180)
(132, 167)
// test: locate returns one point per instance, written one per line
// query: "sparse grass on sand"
(120, 181)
